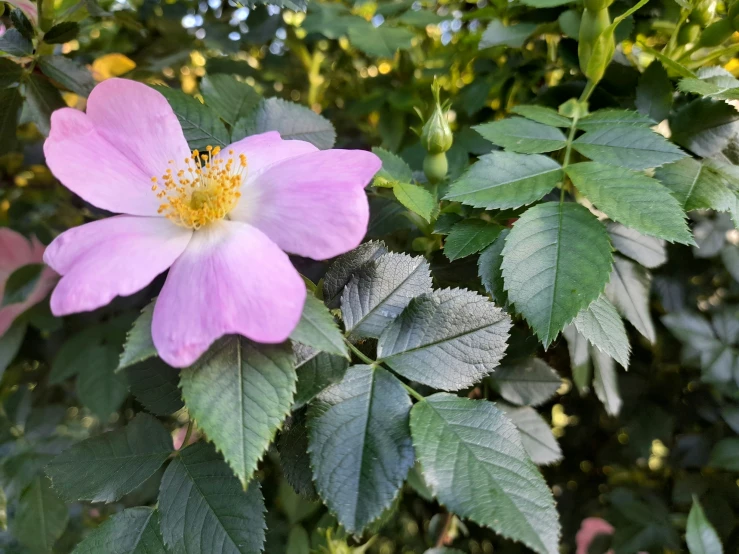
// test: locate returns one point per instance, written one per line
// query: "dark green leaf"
(394, 167)
(139, 345)
(725, 454)
(239, 393)
(648, 251)
(231, 99)
(469, 237)
(11, 100)
(98, 386)
(579, 350)
(522, 135)
(316, 371)
(381, 290)
(68, 73)
(154, 384)
(41, 517)
(132, 531)
(20, 283)
(104, 468)
(700, 534)
(15, 44)
(10, 344)
(654, 92)
(529, 382)
(536, 435)
(199, 122)
(705, 126)
(318, 329)
(697, 186)
(542, 114)
(556, 261)
(633, 199)
(506, 180)
(10, 73)
(360, 445)
(341, 271)
(294, 459)
(22, 23)
(630, 147)
(605, 381)
(498, 34)
(488, 268)
(203, 508)
(42, 99)
(628, 291)
(62, 32)
(610, 118)
(448, 339)
(475, 464)
(292, 121)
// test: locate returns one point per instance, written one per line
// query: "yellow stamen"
(205, 191)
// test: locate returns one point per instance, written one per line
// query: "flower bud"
(436, 136)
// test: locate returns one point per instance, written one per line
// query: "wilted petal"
(231, 280)
(112, 257)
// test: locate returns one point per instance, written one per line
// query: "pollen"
(206, 189)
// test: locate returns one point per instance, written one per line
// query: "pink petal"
(109, 155)
(266, 149)
(17, 251)
(590, 528)
(313, 205)
(112, 257)
(231, 280)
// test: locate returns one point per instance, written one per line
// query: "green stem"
(359, 353)
(672, 43)
(413, 392)
(587, 91)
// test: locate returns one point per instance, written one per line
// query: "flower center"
(205, 191)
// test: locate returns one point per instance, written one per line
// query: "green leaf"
(231, 99)
(609, 118)
(20, 284)
(522, 135)
(700, 534)
(62, 32)
(380, 292)
(605, 382)
(292, 121)
(469, 237)
(556, 261)
(498, 34)
(448, 339)
(729, 255)
(40, 518)
(203, 508)
(12, 101)
(628, 291)
(345, 266)
(527, 382)
(381, 41)
(654, 92)
(294, 459)
(10, 73)
(421, 18)
(139, 345)
(725, 455)
(648, 251)
(104, 468)
(602, 326)
(239, 393)
(200, 123)
(713, 82)
(633, 199)
(42, 98)
(98, 386)
(22, 23)
(318, 329)
(630, 147)
(155, 386)
(132, 531)
(536, 435)
(697, 186)
(705, 126)
(488, 268)
(394, 167)
(417, 199)
(475, 464)
(506, 180)
(15, 44)
(316, 371)
(68, 73)
(542, 114)
(77, 353)
(360, 445)
(10, 344)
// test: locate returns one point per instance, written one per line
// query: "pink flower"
(28, 7)
(221, 223)
(15, 252)
(590, 528)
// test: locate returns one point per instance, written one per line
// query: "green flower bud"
(436, 136)
(596, 45)
(716, 33)
(689, 33)
(435, 167)
(703, 13)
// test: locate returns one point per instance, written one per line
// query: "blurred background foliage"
(367, 67)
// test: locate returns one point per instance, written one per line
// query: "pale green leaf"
(475, 464)
(381, 41)
(536, 435)
(469, 237)
(231, 99)
(522, 135)
(394, 168)
(360, 445)
(527, 382)
(605, 382)
(579, 349)
(497, 34)
(648, 251)
(633, 199)
(105, 467)
(628, 291)
(542, 114)
(239, 393)
(203, 508)
(602, 326)
(506, 180)
(448, 339)
(556, 261)
(341, 271)
(318, 329)
(139, 345)
(700, 534)
(416, 198)
(610, 118)
(630, 147)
